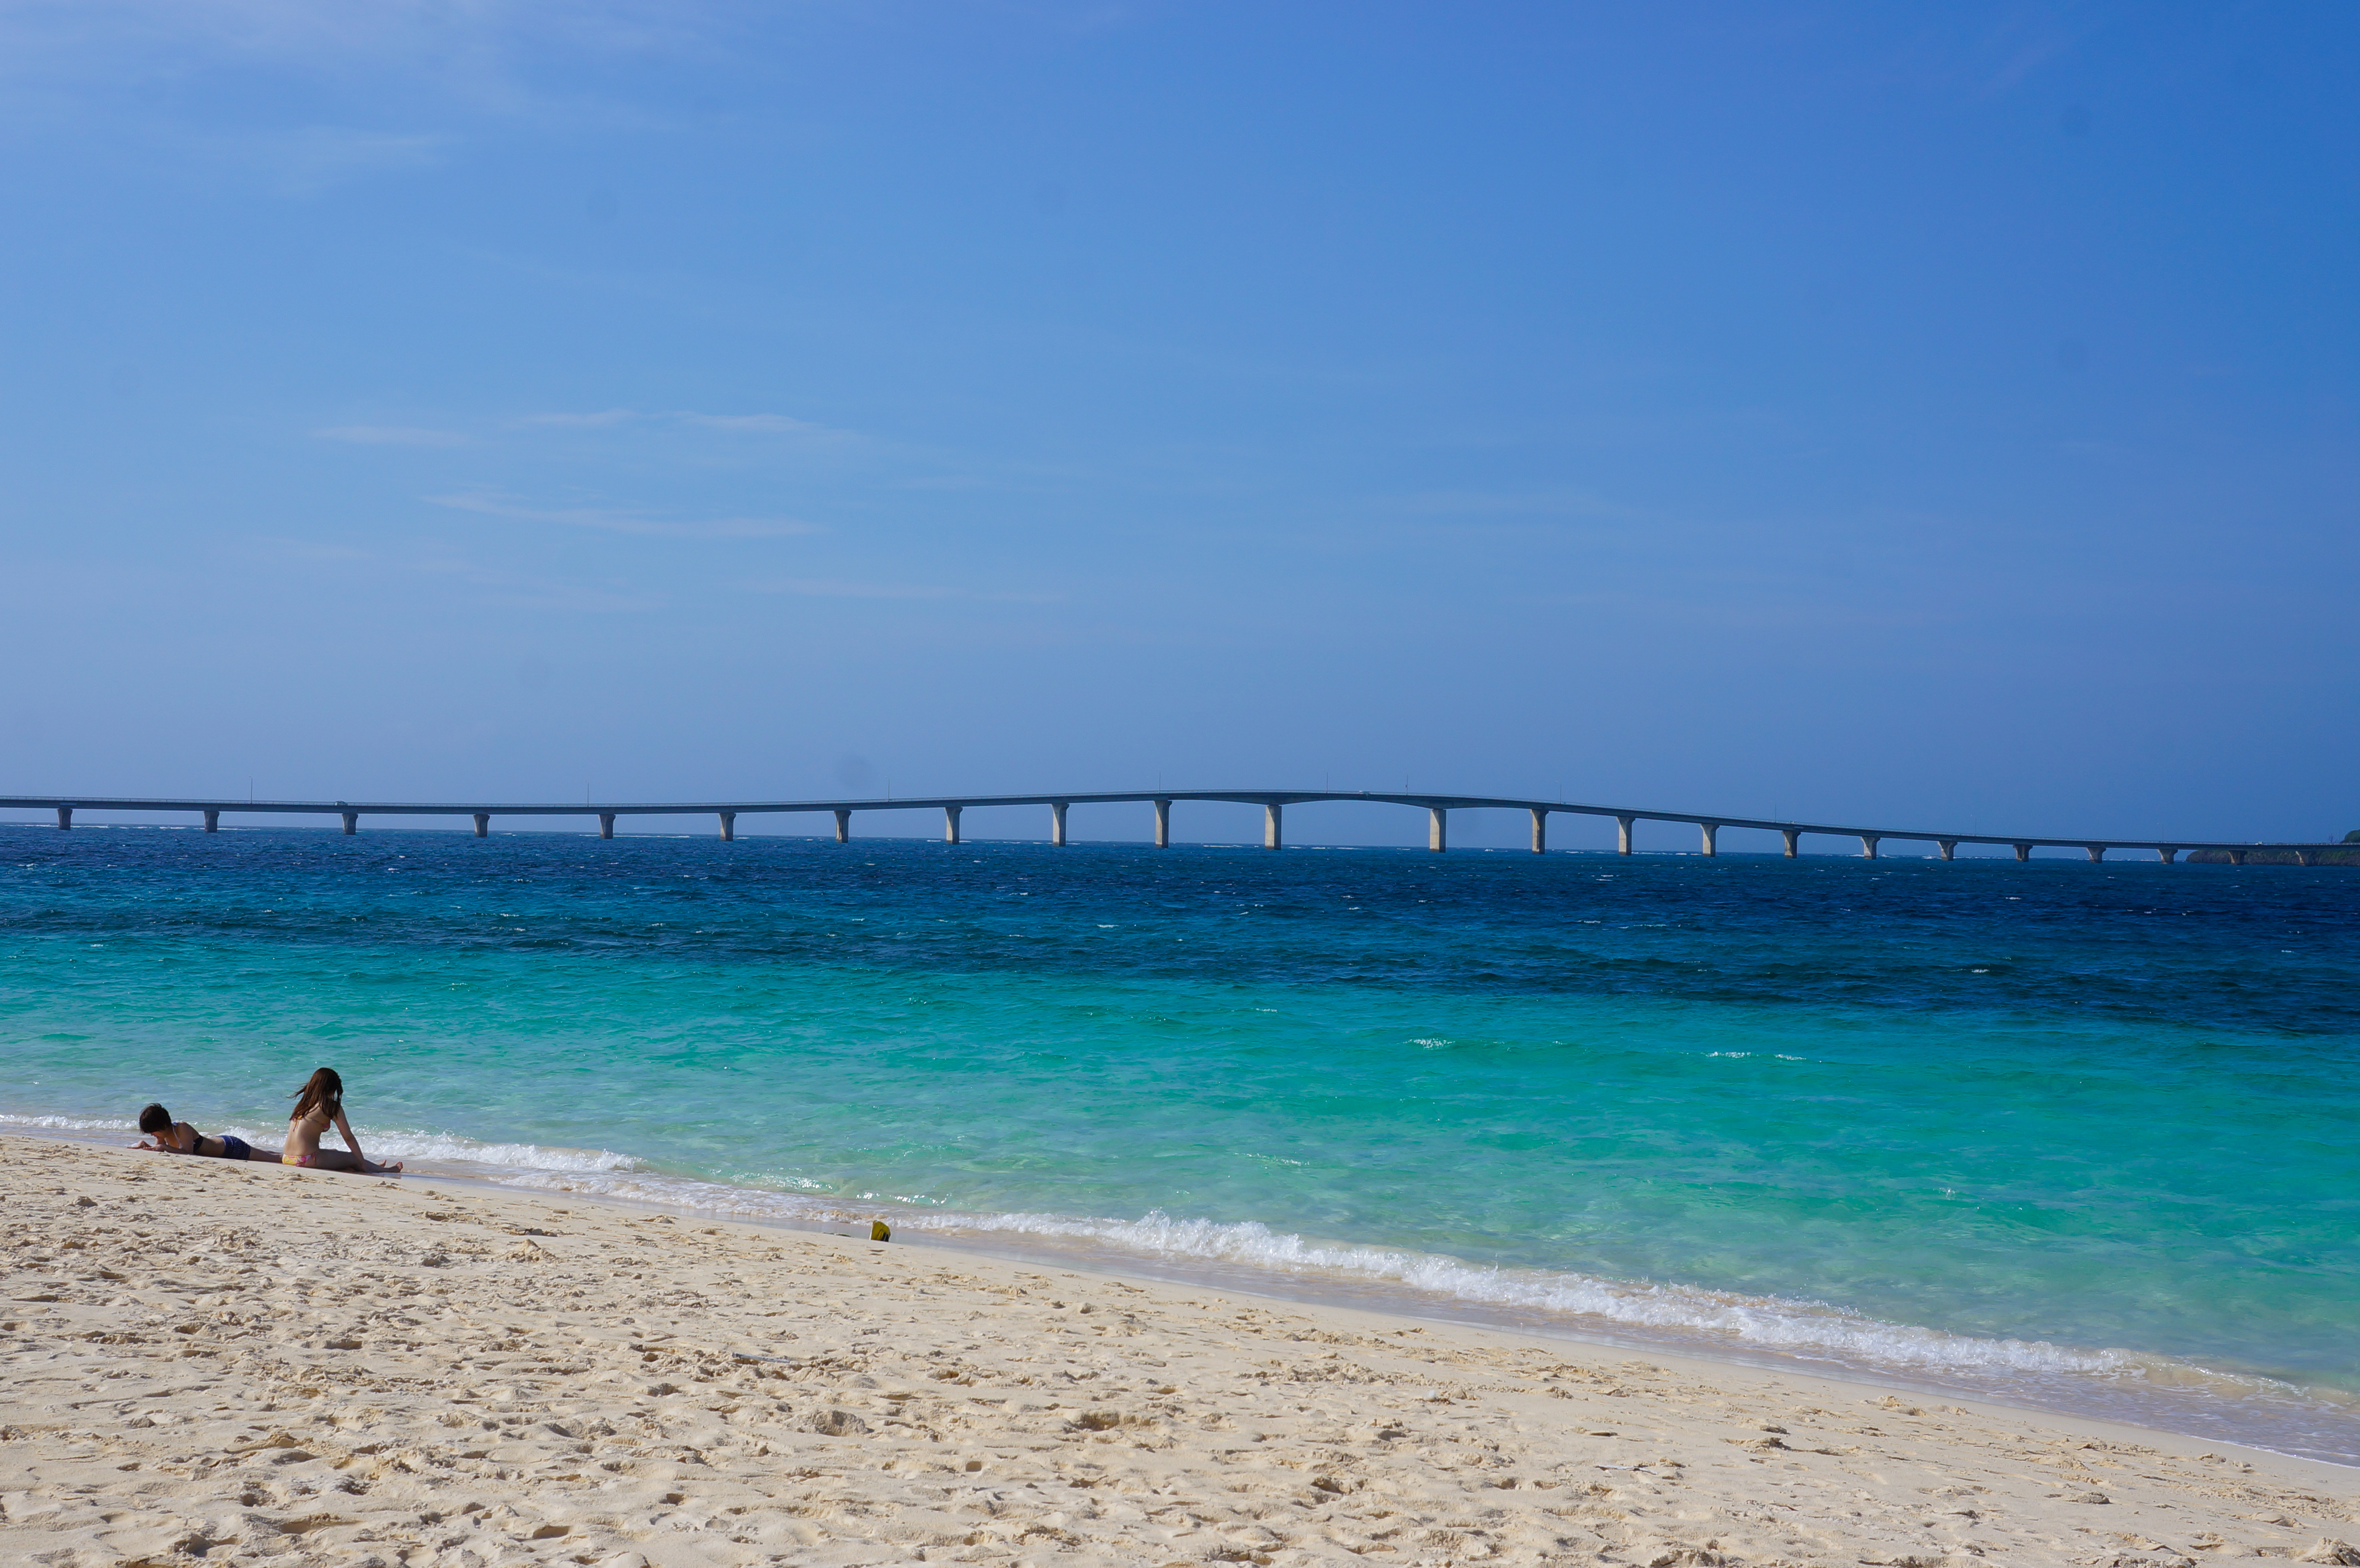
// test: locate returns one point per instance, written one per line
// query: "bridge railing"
(1273, 801)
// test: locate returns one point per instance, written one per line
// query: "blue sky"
(1855, 412)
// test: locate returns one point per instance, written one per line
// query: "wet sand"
(227, 1363)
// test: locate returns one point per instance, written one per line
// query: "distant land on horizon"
(2282, 856)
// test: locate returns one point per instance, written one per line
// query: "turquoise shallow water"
(2081, 1136)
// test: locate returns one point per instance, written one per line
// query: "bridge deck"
(131, 805)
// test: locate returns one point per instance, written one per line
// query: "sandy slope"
(225, 1363)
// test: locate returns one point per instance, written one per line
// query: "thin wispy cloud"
(832, 588)
(757, 424)
(498, 56)
(837, 588)
(620, 520)
(389, 435)
(1495, 503)
(2031, 41)
(510, 590)
(505, 589)
(308, 159)
(603, 418)
(136, 72)
(1762, 615)
(277, 548)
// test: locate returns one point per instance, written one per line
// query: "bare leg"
(345, 1160)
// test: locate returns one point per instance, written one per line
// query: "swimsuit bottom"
(235, 1148)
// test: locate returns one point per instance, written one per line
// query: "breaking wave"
(391, 1145)
(1767, 1321)
(1245, 1250)
(71, 1124)
(2151, 1389)
(445, 1146)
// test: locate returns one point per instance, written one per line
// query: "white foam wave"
(1803, 1328)
(1685, 1312)
(73, 1124)
(2275, 1414)
(1677, 1312)
(631, 1186)
(387, 1144)
(1682, 1311)
(397, 1145)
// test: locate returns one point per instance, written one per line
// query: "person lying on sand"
(318, 1102)
(180, 1138)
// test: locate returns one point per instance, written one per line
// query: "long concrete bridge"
(1273, 804)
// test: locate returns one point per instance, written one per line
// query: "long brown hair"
(323, 1089)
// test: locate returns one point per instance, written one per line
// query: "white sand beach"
(209, 1362)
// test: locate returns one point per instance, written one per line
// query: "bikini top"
(197, 1140)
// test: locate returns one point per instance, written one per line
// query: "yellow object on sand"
(880, 1231)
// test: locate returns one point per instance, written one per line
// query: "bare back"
(305, 1132)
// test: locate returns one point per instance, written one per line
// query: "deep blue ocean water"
(2083, 1136)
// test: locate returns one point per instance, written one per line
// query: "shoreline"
(2137, 1406)
(335, 1367)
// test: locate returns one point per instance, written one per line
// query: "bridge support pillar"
(2236, 857)
(2166, 853)
(1057, 822)
(606, 824)
(1540, 831)
(2024, 852)
(213, 822)
(950, 824)
(1438, 829)
(728, 827)
(2306, 856)
(483, 825)
(2097, 852)
(843, 826)
(1712, 831)
(1271, 837)
(1949, 848)
(1868, 843)
(1623, 841)
(1163, 824)
(65, 816)
(1794, 837)
(351, 822)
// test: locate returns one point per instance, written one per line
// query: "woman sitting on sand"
(180, 1138)
(320, 1101)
